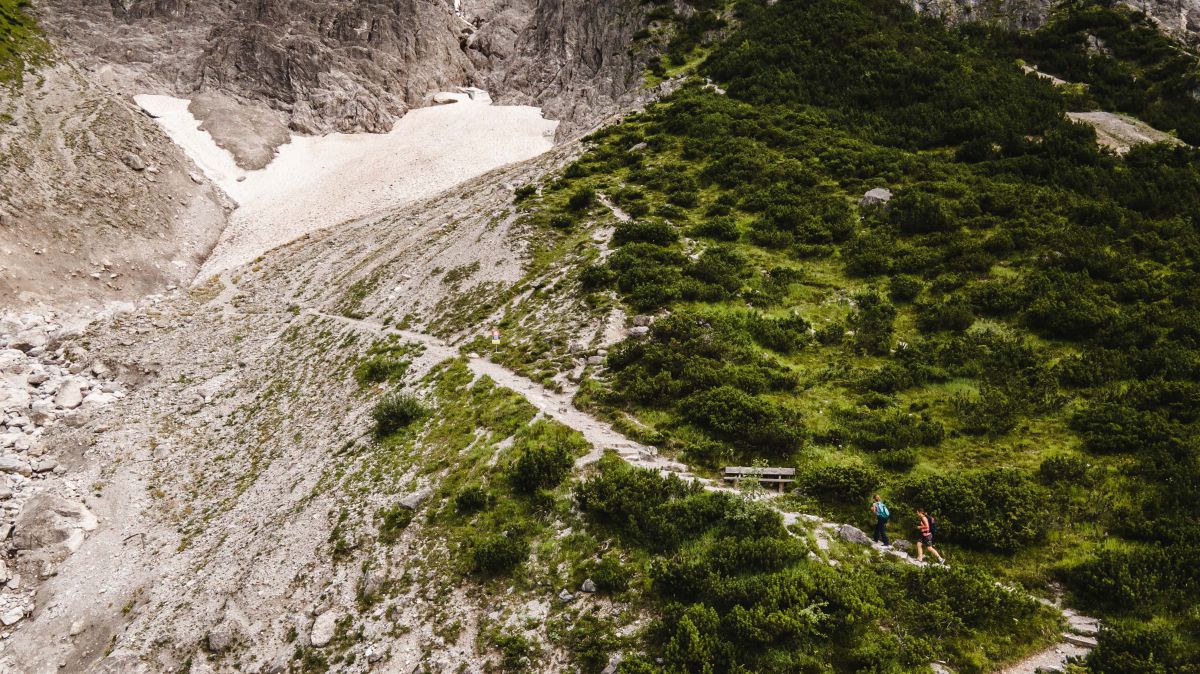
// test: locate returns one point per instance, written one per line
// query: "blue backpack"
(881, 511)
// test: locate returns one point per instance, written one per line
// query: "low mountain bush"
(499, 554)
(396, 412)
(998, 509)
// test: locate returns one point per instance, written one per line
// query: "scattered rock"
(588, 586)
(77, 628)
(615, 661)
(45, 465)
(639, 331)
(901, 545)
(323, 628)
(224, 636)
(41, 412)
(14, 464)
(566, 595)
(415, 499)
(595, 360)
(372, 582)
(876, 197)
(69, 395)
(12, 616)
(13, 399)
(29, 340)
(643, 320)
(134, 162)
(1080, 640)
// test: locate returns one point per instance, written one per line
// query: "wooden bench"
(778, 477)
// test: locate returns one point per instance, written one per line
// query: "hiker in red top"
(927, 526)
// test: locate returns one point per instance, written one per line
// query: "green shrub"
(920, 212)
(591, 639)
(660, 513)
(596, 276)
(517, 653)
(386, 360)
(380, 369)
(540, 468)
(904, 287)
(500, 553)
(524, 192)
(845, 483)
(788, 334)
(872, 322)
(581, 199)
(1000, 509)
(900, 460)
(722, 228)
(752, 423)
(393, 521)
(954, 315)
(610, 575)
(561, 221)
(1063, 468)
(891, 429)
(545, 456)
(473, 499)
(396, 412)
(657, 232)
(1154, 647)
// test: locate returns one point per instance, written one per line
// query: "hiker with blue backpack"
(880, 509)
(927, 527)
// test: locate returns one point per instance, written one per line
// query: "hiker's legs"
(937, 554)
(920, 552)
(880, 531)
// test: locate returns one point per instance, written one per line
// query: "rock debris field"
(41, 385)
(321, 181)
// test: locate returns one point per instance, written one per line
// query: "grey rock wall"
(358, 65)
(1178, 18)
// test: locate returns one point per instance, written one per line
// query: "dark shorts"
(927, 540)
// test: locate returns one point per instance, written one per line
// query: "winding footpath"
(1077, 641)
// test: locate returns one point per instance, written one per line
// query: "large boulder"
(853, 534)
(225, 635)
(875, 198)
(69, 394)
(14, 464)
(323, 628)
(51, 527)
(13, 398)
(41, 412)
(28, 340)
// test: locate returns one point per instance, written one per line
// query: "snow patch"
(321, 181)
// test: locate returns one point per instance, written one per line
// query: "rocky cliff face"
(338, 65)
(1178, 18)
(573, 58)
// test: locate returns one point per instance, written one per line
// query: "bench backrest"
(744, 471)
